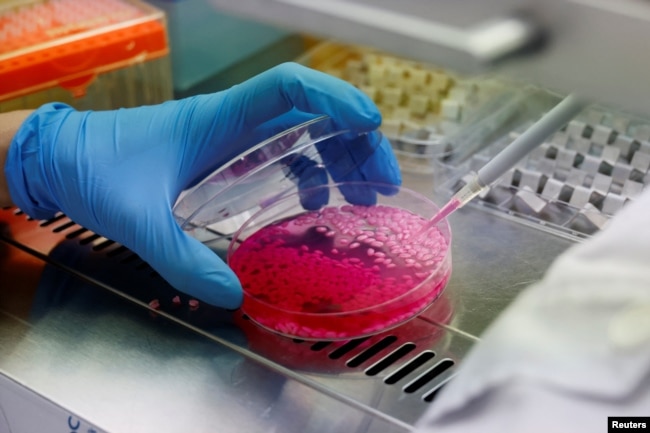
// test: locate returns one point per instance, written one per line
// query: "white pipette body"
(552, 121)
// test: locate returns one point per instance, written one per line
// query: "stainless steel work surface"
(76, 332)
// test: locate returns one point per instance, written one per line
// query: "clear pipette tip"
(490, 172)
(460, 199)
(444, 212)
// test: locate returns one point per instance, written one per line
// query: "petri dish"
(322, 356)
(340, 270)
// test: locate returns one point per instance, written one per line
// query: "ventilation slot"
(429, 375)
(117, 251)
(431, 395)
(320, 345)
(128, 259)
(409, 367)
(47, 222)
(63, 227)
(390, 359)
(347, 347)
(371, 351)
(103, 245)
(76, 233)
(89, 239)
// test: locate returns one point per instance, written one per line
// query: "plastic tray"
(67, 44)
(421, 104)
(573, 183)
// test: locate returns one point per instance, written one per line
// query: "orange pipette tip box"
(67, 43)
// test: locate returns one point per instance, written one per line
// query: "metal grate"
(412, 362)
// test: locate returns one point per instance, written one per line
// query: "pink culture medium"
(341, 272)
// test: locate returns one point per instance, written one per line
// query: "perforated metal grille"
(412, 362)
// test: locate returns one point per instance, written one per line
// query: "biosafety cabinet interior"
(84, 345)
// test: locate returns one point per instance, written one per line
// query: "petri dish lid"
(295, 158)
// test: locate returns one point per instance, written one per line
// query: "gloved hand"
(118, 173)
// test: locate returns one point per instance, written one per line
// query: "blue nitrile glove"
(118, 173)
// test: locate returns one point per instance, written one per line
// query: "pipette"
(557, 117)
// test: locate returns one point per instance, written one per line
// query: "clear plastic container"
(573, 183)
(304, 155)
(339, 250)
(340, 270)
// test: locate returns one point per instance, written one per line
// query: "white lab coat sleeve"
(570, 351)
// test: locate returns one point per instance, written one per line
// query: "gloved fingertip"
(359, 194)
(210, 280)
(223, 289)
(387, 189)
(310, 176)
(314, 91)
(382, 166)
(193, 268)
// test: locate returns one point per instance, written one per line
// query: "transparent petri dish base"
(341, 271)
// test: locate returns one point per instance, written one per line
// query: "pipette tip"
(443, 213)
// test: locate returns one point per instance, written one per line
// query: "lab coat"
(570, 351)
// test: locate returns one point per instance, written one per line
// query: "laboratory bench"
(92, 339)
(81, 345)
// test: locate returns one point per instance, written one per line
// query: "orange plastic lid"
(68, 42)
